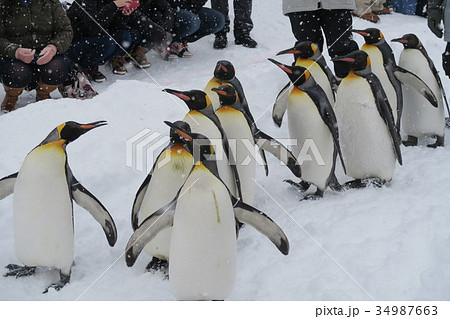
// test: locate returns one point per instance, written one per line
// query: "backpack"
(78, 86)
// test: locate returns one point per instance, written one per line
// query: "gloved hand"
(25, 55)
(434, 21)
(47, 54)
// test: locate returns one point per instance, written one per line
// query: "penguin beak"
(90, 126)
(282, 66)
(289, 51)
(220, 92)
(343, 59)
(180, 131)
(180, 94)
(401, 40)
(361, 32)
(221, 67)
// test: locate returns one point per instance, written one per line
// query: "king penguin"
(168, 174)
(369, 138)
(202, 215)
(422, 118)
(43, 191)
(202, 119)
(391, 75)
(307, 54)
(245, 135)
(311, 118)
(225, 74)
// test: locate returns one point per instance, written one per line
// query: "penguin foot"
(363, 183)
(302, 186)
(19, 271)
(157, 264)
(64, 279)
(439, 142)
(317, 195)
(411, 141)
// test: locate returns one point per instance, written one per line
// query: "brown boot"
(43, 91)
(139, 58)
(118, 65)
(11, 97)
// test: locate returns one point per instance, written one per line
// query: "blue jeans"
(17, 74)
(191, 27)
(89, 52)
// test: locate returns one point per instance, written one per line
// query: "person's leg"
(124, 40)
(211, 21)
(15, 76)
(89, 52)
(336, 25)
(51, 75)
(306, 27)
(243, 23)
(221, 40)
(186, 24)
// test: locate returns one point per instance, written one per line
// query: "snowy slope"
(391, 243)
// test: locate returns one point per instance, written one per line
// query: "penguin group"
(360, 118)
(189, 210)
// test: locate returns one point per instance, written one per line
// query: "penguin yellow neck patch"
(56, 144)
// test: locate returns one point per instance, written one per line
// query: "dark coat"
(162, 7)
(43, 22)
(105, 12)
(190, 5)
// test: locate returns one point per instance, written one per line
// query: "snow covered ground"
(391, 243)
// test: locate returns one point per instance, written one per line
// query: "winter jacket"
(43, 22)
(190, 5)
(150, 7)
(312, 5)
(105, 13)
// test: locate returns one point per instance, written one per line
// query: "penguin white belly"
(319, 76)
(311, 133)
(242, 145)
(364, 137)
(167, 179)
(201, 124)
(43, 223)
(419, 117)
(378, 69)
(203, 247)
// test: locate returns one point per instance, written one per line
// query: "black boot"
(246, 41)
(221, 41)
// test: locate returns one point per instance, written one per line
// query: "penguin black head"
(358, 60)
(70, 131)
(174, 136)
(409, 41)
(371, 35)
(199, 145)
(224, 70)
(194, 99)
(302, 50)
(227, 94)
(297, 74)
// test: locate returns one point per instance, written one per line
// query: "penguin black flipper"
(142, 190)
(278, 150)
(90, 203)
(261, 222)
(385, 111)
(331, 78)
(281, 104)
(327, 114)
(148, 229)
(414, 82)
(7, 185)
